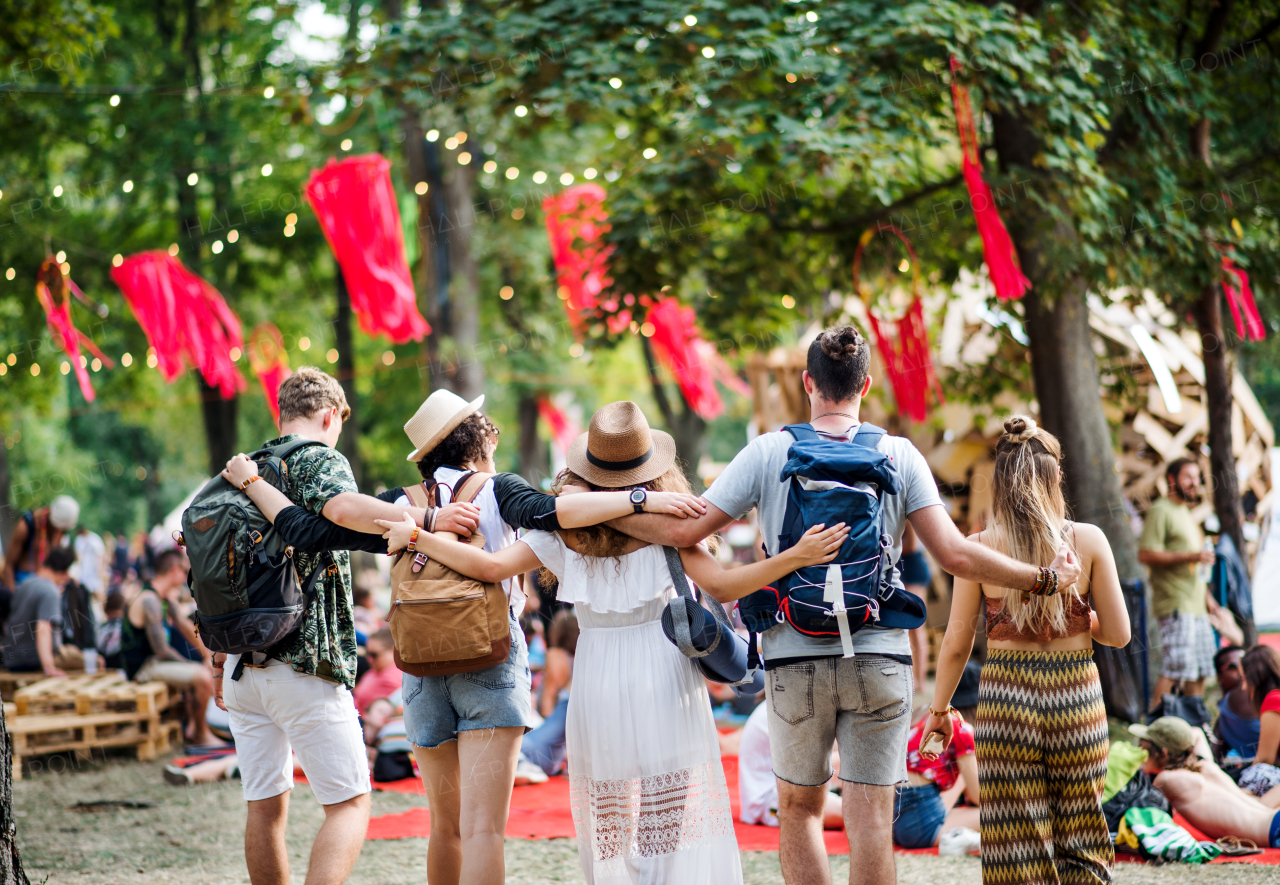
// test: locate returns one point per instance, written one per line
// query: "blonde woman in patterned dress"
(650, 804)
(1041, 733)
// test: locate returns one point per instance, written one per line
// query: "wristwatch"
(638, 497)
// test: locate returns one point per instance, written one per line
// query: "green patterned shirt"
(326, 644)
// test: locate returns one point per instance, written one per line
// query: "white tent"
(162, 535)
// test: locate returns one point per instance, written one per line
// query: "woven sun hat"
(1168, 733)
(619, 450)
(436, 418)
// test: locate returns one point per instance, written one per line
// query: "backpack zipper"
(401, 602)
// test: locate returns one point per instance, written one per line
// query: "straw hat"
(620, 450)
(436, 418)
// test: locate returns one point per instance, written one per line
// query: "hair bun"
(1020, 428)
(841, 344)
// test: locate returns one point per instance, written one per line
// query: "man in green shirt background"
(1172, 548)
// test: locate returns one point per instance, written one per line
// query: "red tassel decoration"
(184, 318)
(53, 289)
(692, 360)
(564, 430)
(576, 221)
(997, 247)
(1252, 328)
(356, 206)
(906, 356)
(270, 363)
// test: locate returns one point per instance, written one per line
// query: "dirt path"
(194, 836)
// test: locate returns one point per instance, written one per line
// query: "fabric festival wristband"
(413, 540)
(244, 485)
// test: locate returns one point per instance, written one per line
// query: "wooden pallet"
(108, 692)
(68, 732)
(10, 682)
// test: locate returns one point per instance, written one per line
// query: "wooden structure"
(87, 712)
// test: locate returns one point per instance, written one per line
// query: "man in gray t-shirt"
(816, 695)
(33, 633)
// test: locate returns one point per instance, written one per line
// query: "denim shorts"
(438, 708)
(918, 814)
(862, 703)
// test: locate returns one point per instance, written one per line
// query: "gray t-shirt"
(751, 480)
(36, 599)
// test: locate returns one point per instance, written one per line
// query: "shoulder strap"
(465, 491)
(417, 495)
(868, 435)
(287, 449)
(801, 431)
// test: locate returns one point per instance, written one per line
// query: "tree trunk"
(1068, 391)
(11, 871)
(1062, 359)
(219, 425)
(535, 456)
(688, 429)
(464, 288)
(348, 442)
(8, 516)
(1218, 370)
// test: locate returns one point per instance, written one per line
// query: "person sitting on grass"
(33, 633)
(147, 654)
(1261, 665)
(924, 807)
(1199, 790)
(1237, 727)
(382, 679)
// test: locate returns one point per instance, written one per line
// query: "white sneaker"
(958, 842)
(527, 773)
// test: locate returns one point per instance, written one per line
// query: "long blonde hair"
(1029, 515)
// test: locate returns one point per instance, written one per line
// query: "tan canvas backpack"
(443, 622)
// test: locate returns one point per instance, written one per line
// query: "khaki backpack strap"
(417, 495)
(470, 486)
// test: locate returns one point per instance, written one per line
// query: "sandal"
(1234, 846)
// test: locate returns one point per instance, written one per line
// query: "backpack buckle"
(288, 552)
(255, 537)
(332, 569)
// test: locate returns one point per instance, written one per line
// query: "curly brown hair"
(468, 442)
(606, 542)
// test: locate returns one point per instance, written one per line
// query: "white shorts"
(276, 708)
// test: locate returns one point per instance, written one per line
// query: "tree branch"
(857, 222)
(659, 392)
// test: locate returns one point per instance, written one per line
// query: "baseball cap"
(1168, 733)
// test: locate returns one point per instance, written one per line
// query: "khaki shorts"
(178, 674)
(863, 704)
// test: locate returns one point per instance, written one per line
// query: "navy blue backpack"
(833, 482)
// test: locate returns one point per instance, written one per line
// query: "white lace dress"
(650, 803)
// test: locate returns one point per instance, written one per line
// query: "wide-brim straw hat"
(619, 449)
(436, 418)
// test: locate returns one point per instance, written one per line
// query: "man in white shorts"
(299, 699)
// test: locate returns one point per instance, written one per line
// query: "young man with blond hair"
(299, 698)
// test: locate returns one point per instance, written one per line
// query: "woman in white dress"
(650, 804)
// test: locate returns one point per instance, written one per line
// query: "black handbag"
(707, 637)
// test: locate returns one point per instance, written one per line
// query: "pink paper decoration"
(356, 206)
(576, 221)
(53, 289)
(692, 360)
(184, 318)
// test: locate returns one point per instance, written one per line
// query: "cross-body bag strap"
(678, 580)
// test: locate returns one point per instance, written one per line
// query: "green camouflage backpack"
(242, 575)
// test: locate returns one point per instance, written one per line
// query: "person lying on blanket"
(1199, 790)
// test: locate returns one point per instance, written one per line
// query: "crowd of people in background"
(1011, 757)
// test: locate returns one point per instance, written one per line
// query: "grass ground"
(193, 836)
